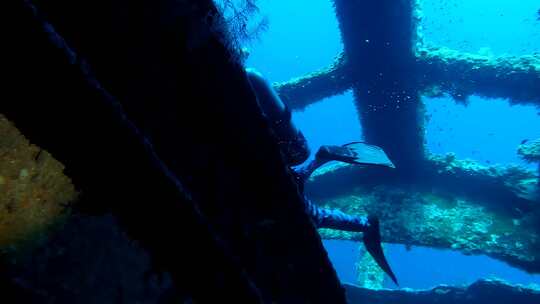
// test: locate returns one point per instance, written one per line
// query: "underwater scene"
(270, 151)
(479, 132)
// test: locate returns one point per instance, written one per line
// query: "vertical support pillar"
(370, 274)
(378, 37)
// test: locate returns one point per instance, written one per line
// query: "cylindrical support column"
(369, 275)
(378, 37)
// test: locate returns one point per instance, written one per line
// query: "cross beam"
(300, 92)
(459, 74)
(465, 207)
(516, 78)
(388, 68)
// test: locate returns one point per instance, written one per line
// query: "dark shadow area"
(157, 125)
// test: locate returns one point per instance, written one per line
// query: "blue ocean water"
(300, 40)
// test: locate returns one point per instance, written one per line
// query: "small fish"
(538, 15)
(524, 141)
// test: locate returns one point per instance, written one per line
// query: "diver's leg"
(335, 219)
(356, 153)
(305, 172)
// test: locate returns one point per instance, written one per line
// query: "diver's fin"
(369, 154)
(372, 242)
(357, 153)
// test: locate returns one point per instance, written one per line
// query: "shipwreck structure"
(127, 173)
(457, 204)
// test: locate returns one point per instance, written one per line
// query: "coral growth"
(370, 275)
(480, 292)
(459, 205)
(115, 268)
(530, 151)
(240, 21)
(34, 193)
(437, 220)
(302, 91)
(512, 77)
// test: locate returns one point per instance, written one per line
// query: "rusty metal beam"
(436, 70)
(441, 70)
(377, 38)
(460, 74)
(459, 205)
(298, 93)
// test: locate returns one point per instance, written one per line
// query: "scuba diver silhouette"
(295, 150)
